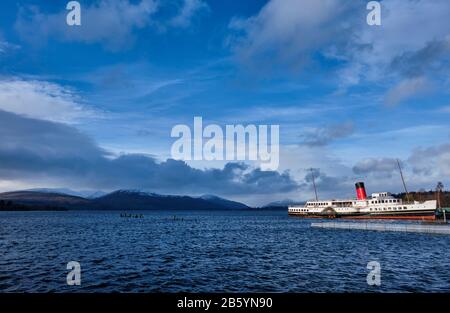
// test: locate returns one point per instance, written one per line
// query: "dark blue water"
(211, 252)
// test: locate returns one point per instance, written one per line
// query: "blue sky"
(93, 106)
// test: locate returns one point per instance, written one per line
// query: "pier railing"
(409, 228)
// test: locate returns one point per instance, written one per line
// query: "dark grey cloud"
(43, 151)
(325, 135)
(433, 56)
(418, 67)
(333, 186)
(382, 167)
(431, 161)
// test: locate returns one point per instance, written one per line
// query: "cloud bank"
(42, 151)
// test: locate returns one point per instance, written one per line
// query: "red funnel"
(361, 191)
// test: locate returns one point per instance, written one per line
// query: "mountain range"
(118, 200)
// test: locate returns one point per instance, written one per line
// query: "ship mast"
(314, 184)
(403, 180)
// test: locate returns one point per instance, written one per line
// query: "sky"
(91, 107)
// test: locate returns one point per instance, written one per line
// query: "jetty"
(405, 228)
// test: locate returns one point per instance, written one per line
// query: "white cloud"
(287, 32)
(6, 47)
(109, 22)
(112, 23)
(290, 33)
(42, 100)
(186, 13)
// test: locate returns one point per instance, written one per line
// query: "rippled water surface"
(262, 251)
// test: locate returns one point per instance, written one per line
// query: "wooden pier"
(408, 228)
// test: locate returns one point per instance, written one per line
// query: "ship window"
(404, 208)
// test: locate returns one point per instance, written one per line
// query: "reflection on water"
(211, 252)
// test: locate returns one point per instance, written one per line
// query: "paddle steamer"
(380, 205)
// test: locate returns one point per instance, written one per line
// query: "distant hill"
(125, 199)
(7, 205)
(70, 192)
(224, 202)
(282, 203)
(37, 198)
(121, 200)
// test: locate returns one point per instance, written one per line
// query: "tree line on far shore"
(6, 205)
(423, 195)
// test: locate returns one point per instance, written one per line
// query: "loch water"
(211, 251)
